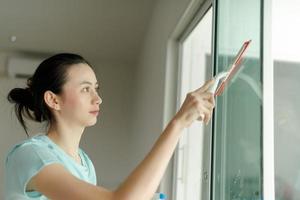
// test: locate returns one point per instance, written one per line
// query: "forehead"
(78, 73)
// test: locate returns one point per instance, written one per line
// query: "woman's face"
(80, 100)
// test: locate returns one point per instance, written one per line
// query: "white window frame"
(268, 104)
(180, 153)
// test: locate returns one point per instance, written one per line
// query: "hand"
(198, 105)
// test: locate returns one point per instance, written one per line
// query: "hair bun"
(21, 96)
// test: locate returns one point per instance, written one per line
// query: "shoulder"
(29, 143)
(26, 159)
(32, 148)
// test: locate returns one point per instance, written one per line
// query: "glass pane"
(286, 98)
(237, 167)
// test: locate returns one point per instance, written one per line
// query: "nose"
(97, 99)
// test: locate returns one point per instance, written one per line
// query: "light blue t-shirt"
(27, 158)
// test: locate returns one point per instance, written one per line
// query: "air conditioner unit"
(22, 67)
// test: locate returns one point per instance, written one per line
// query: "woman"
(63, 92)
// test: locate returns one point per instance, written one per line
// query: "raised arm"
(144, 180)
(57, 183)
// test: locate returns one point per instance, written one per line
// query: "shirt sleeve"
(25, 161)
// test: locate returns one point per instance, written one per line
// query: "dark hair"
(51, 75)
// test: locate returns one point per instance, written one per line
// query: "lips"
(95, 112)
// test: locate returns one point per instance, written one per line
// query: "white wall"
(106, 143)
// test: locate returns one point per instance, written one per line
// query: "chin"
(91, 123)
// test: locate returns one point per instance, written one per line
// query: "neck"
(66, 137)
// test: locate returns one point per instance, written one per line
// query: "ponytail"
(24, 105)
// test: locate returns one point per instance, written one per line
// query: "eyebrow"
(88, 82)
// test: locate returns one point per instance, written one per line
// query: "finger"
(203, 113)
(203, 95)
(206, 86)
(212, 100)
(201, 118)
(207, 96)
(208, 117)
(209, 105)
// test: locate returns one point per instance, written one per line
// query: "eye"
(86, 89)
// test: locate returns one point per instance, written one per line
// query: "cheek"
(71, 100)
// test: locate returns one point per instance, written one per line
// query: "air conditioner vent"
(22, 67)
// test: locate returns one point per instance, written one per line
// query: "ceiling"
(108, 30)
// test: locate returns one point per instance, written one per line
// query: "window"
(233, 158)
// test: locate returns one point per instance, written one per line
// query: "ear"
(52, 100)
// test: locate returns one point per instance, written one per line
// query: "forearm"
(144, 180)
